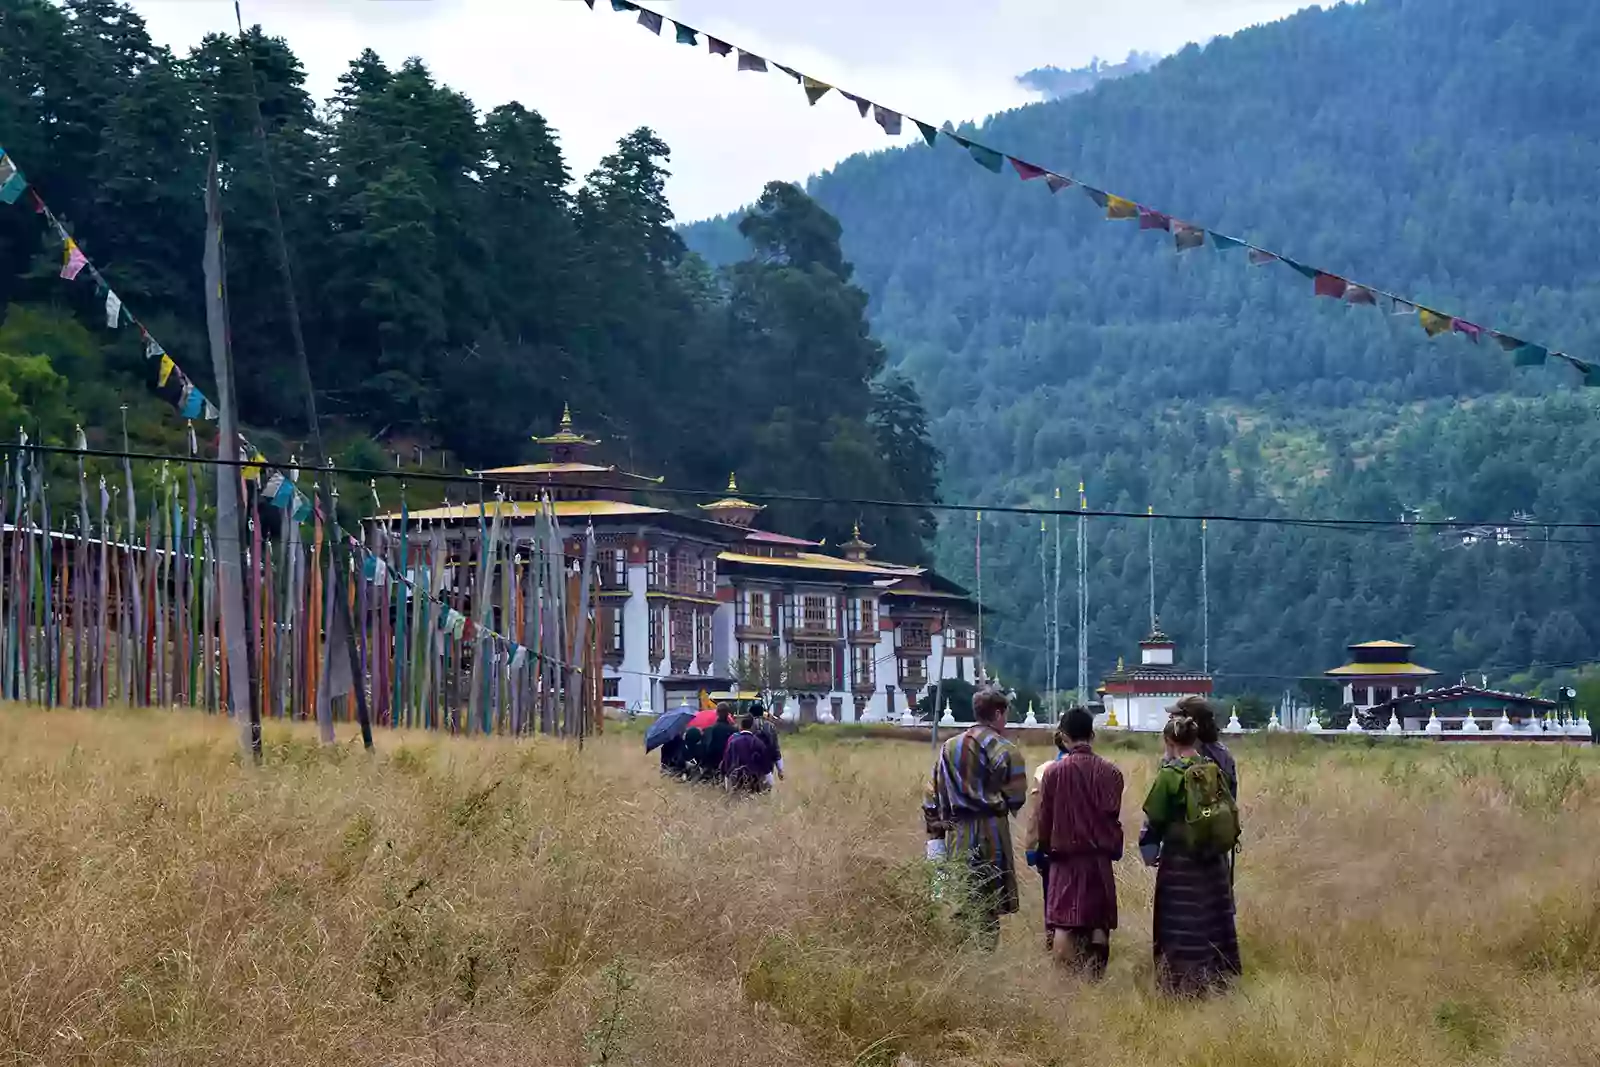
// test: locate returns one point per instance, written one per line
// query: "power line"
(479, 478)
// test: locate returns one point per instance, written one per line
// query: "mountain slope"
(1436, 149)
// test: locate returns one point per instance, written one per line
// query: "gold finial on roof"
(733, 483)
(1120, 667)
(566, 416)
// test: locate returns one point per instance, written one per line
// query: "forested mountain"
(455, 286)
(1438, 148)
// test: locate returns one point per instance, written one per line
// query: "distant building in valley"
(1138, 698)
(1378, 672)
(701, 599)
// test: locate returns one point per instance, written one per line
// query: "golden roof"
(731, 502)
(512, 509)
(1357, 670)
(818, 562)
(566, 435)
(1382, 644)
(551, 468)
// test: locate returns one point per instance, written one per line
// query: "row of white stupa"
(1564, 726)
(1559, 726)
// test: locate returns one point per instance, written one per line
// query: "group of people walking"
(1074, 836)
(742, 755)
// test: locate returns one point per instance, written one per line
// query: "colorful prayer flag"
(623, 5)
(1433, 322)
(1153, 220)
(283, 496)
(191, 403)
(718, 48)
(252, 469)
(302, 508)
(889, 120)
(73, 260)
(113, 309)
(1300, 268)
(1185, 237)
(274, 483)
(929, 134)
(1100, 197)
(1224, 243)
(750, 61)
(815, 90)
(987, 158)
(167, 366)
(650, 21)
(1471, 329)
(1360, 294)
(1260, 256)
(795, 74)
(1119, 208)
(1330, 285)
(211, 414)
(151, 347)
(862, 105)
(1026, 171)
(686, 34)
(1056, 182)
(1401, 307)
(12, 182)
(1523, 353)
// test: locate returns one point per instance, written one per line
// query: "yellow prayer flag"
(1118, 208)
(1433, 322)
(166, 369)
(252, 470)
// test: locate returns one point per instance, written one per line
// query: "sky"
(596, 75)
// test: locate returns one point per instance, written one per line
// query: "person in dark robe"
(1195, 938)
(694, 753)
(716, 741)
(979, 782)
(1079, 829)
(747, 760)
(767, 730)
(672, 758)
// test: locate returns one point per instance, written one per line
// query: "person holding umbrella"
(666, 733)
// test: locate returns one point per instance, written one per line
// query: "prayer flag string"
(1186, 236)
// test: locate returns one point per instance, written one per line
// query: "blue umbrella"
(668, 727)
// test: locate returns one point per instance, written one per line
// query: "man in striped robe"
(978, 783)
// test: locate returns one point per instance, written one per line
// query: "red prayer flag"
(1153, 220)
(1026, 171)
(1330, 285)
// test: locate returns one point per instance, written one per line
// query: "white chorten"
(1273, 725)
(1354, 725)
(1394, 729)
(947, 719)
(1314, 726)
(1031, 719)
(1469, 725)
(1234, 725)
(1434, 725)
(1502, 725)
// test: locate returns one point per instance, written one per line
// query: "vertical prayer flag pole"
(1083, 599)
(1150, 530)
(1205, 603)
(1055, 622)
(977, 566)
(230, 516)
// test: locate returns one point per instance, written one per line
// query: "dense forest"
(1432, 147)
(455, 284)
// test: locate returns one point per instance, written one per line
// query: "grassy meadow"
(488, 902)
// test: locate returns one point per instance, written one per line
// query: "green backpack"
(1210, 815)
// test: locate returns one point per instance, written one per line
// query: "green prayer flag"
(987, 158)
(1224, 244)
(686, 34)
(929, 134)
(1530, 355)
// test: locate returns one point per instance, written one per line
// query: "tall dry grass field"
(484, 902)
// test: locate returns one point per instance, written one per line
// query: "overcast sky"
(596, 75)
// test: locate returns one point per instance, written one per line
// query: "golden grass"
(519, 903)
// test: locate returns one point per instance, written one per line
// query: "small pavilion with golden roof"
(1378, 672)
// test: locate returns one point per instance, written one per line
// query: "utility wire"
(478, 477)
